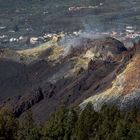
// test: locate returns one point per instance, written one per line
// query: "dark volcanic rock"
(111, 58)
(13, 78)
(27, 102)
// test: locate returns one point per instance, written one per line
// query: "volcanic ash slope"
(125, 90)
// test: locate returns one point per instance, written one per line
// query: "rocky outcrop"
(103, 48)
(125, 89)
(21, 104)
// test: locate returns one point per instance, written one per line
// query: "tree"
(16, 28)
(70, 124)
(61, 124)
(28, 130)
(86, 127)
(8, 125)
(122, 130)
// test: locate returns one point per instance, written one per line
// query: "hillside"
(42, 79)
(55, 53)
(124, 91)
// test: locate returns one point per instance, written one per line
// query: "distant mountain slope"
(34, 18)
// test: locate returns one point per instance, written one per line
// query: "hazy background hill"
(53, 16)
(33, 18)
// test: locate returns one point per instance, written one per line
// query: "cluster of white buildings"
(82, 7)
(129, 33)
(77, 8)
(31, 40)
(126, 36)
